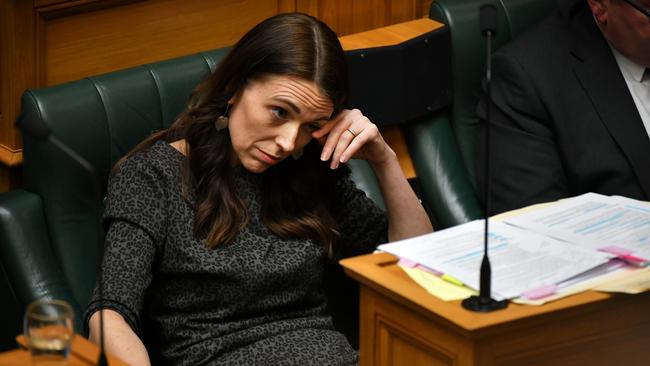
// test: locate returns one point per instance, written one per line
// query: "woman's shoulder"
(159, 159)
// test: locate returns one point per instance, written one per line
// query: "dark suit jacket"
(563, 120)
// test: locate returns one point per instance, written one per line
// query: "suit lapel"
(600, 77)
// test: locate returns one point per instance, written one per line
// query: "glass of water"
(49, 330)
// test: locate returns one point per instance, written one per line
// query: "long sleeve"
(363, 225)
(134, 219)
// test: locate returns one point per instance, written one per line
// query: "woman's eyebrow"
(289, 103)
(296, 109)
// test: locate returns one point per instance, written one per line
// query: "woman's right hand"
(351, 135)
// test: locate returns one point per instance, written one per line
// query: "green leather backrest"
(442, 146)
(101, 118)
(468, 55)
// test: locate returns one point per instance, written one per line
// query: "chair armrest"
(444, 180)
(31, 266)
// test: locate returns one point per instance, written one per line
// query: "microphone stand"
(484, 301)
(42, 132)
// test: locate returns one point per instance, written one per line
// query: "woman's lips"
(267, 158)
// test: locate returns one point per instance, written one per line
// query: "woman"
(218, 228)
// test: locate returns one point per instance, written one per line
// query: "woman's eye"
(279, 113)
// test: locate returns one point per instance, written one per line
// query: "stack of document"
(536, 253)
(616, 225)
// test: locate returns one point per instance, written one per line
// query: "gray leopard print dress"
(256, 301)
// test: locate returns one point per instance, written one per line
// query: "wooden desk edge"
(389, 35)
(371, 270)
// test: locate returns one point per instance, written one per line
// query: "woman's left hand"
(351, 135)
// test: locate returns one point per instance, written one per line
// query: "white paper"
(595, 222)
(520, 260)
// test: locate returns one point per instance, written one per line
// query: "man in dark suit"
(571, 105)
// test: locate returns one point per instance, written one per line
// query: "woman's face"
(274, 117)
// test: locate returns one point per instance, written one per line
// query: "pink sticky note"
(618, 251)
(540, 292)
(429, 270)
(406, 263)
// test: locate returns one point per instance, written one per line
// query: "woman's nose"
(288, 135)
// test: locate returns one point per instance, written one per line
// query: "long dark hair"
(295, 194)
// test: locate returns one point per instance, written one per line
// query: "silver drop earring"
(222, 121)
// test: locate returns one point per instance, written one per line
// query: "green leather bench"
(48, 245)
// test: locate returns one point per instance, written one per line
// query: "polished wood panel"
(17, 72)
(44, 42)
(142, 32)
(395, 139)
(391, 334)
(400, 345)
(347, 17)
(402, 324)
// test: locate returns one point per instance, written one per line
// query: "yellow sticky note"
(453, 280)
(438, 287)
(520, 211)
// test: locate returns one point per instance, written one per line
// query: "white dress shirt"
(637, 79)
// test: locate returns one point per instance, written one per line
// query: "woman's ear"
(235, 98)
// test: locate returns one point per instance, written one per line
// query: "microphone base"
(484, 304)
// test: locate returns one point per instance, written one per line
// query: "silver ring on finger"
(350, 130)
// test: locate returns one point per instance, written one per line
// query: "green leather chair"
(442, 145)
(48, 242)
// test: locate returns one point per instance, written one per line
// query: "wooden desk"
(83, 353)
(401, 324)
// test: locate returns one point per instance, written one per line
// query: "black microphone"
(484, 301)
(41, 131)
